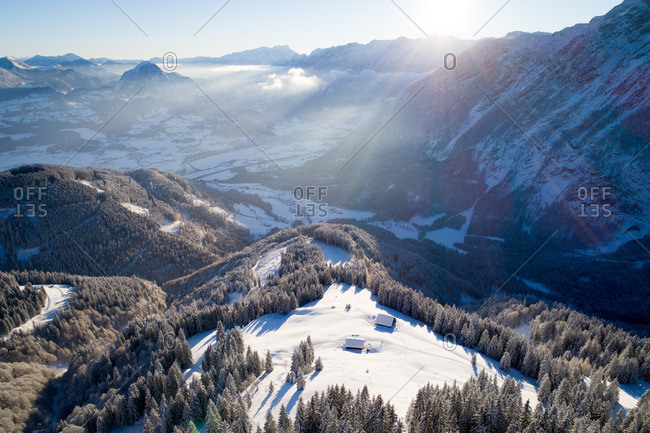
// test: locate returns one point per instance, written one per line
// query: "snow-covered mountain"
(530, 134)
(257, 56)
(399, 55)
(77, 73)
(63, 60)
(147, 72)
(10, 63)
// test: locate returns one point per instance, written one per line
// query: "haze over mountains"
(207, 246)
(519, 129)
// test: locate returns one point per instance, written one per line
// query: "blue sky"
(98, 28)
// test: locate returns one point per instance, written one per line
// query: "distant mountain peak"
(12, 63)
(53, 60)
(147, 72)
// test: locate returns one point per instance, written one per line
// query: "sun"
(448, 17)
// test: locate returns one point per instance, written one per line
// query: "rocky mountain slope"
(528, 135)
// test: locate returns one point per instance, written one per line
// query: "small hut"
(355, 342)
(385, 320)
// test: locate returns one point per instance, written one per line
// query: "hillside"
(203, 349)
(145, 223)
(550, 84)
(81, 318)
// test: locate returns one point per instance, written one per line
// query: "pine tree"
(319, 364)
(300, 422)
(191, 428)
(506, 362)
(269, 362)
(213, 423)
(300, 381)
(241, 423)
(270, 426)
(182, 351)
(284, 421)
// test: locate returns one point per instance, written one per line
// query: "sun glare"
(445, 16)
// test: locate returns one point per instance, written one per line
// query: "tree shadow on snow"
(268, 323)
(284, 389)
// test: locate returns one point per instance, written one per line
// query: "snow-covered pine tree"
(268, 364)
(213, 422)
(270, 425)
(506, 362)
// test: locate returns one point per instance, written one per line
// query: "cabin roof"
(384, 320)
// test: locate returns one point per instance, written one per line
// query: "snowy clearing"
(333, 255)
(234, 297)
(396, 362)
(535, 286)
(135, 208)
(24, 254)
(87, 183)
(57, 298)
(392, 357)
(401, 229)
(268, 264)
(228, 217)
(448, 237)
(170, 227)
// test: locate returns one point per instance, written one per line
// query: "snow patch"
(170, 227)
(25, 254)
(135, 208)
(333, 255)
(535, 286)
(268, 264)
(216, 209)
(448, 237)
(57, 298)
(401, 229)
(234, 297)
(87, 183)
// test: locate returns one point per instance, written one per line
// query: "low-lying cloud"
(293, 81)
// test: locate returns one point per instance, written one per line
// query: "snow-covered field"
(396, 362)
(170, 227)
(87, 183)
(283, 205)
(448, 237)
(228, 217)
(57, 298)
(410, 355)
